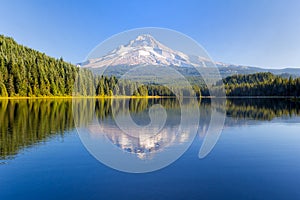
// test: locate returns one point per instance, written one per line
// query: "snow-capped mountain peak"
(144, 40)
(144, 50)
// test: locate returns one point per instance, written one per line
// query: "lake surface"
(257, 155)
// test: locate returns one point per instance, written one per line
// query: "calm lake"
(257, 155)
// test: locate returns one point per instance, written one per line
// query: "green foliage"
(3, 92)
(261, 84)
(26, 72)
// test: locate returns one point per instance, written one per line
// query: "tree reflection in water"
(28, 122)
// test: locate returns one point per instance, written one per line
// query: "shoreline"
(88, 97)
(149, 97)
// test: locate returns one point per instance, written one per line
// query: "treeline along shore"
(25, 72)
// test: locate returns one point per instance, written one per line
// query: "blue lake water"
(256, 156)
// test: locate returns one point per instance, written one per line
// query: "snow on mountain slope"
(145, 50)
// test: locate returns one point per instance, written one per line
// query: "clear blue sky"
(262, 33)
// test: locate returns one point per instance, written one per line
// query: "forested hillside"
(27, 72)
(261, 84)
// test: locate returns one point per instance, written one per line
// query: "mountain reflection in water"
(25, 123)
